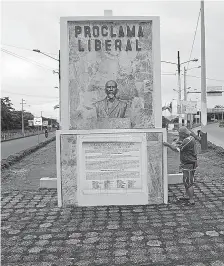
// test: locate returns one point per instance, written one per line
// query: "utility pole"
(179, 89)
(23, 102)
(185, 94)
(204, 144)
(41, 127)
(59, 80)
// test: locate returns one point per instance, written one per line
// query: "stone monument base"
(111, 167)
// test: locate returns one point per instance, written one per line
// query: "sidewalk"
(36, 232)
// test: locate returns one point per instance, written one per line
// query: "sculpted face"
(111, 89)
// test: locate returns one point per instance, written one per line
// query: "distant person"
(186, 145)
(46, 133)
(111, 106)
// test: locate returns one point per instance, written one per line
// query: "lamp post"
(38, 51)
(185, 90)
(22, 103)
(204, 143)
(54, 72)
(178, 64)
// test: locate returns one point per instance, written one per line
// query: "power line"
(221, 80)
(24, 48)
(26, 59)
(195, 32)
(174, 74)
(168, 74)
(30, 95)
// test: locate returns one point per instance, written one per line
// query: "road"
(13, 146)
(215, 134)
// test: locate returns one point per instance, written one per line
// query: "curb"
(12, 159)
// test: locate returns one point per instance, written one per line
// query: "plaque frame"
(131, 197)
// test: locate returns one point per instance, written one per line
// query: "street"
(216, 134)
(13, 146)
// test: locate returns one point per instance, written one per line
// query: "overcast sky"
(31, 25)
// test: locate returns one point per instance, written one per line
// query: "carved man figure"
(111, 106)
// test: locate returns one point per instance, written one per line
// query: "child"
(186, 145)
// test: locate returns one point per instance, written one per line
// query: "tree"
(6, 113)
(167, 107)
(219, 106)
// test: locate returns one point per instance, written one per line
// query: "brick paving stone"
(155, 250)
(91, 240)
(83, 263)
(35, 250)
(212, 233)
(157, 257)
(205, 247)
(137, 238)
(138, 258)
(45, 237)
(120, 252)
(58, 243)
(42, 242)
(154, 243)
(185, 241)
(197, 234)
(73, 241)
(13, 232)
(175, 256)
(187, 248)
(172, 249)
(152, 237)
(75, 235)
(101, 261)
(104, 239)
(120, 245)
(101, 253)
(217, 263)
(198, 264)
(120, 260)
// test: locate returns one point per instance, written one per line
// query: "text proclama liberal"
(108, 37)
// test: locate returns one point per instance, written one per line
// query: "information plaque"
(112, 166)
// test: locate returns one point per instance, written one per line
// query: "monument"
(109, 148)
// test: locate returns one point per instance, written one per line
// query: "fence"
(12, 134)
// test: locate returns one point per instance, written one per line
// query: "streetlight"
(185, 90)
(178, 64)
(38, 51)
(54, 72)
(193, 68)
(192, 60)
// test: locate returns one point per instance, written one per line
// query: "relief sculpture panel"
(110, 74)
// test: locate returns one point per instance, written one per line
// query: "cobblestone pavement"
(36, 232)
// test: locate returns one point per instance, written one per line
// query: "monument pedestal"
(111, 167)
(110, 149)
